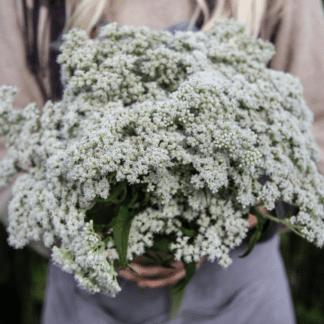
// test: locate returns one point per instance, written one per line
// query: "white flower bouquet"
(158, 143)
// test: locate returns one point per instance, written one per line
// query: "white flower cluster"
(184, 117)
(88, 251)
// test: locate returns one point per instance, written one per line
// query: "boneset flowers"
(158, 143)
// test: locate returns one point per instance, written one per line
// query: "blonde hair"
(86, 14)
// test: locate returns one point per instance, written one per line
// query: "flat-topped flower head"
(176, 129)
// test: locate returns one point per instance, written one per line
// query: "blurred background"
(23, 275)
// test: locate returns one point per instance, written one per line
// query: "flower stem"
(281, 221)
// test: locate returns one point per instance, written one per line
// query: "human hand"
(155, 277)
(253, 219)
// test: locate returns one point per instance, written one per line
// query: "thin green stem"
(134, 270)
(122, 199)
(281, 221)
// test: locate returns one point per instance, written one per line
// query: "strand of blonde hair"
(251, 12)
(83, 15)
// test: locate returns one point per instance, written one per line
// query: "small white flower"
(190, 121)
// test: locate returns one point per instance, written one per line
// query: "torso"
(155, 14)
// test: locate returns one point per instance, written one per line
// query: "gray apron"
(252, 290)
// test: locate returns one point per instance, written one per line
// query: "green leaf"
(176, 301)
(121, 231)
(100, 213)
(157, 260)
(177, 291)
(112, 223)
(98, 228)
(187, 232)
(116, 265)
(166, 263)
(134, 270)
(266, 228)
(112, 176)
(253, 240)
(258, 232)
(107, 239)
(134, 198)
(268, 222)
(102, 200)
(161, 243)
(146, 200)
(235, 190)
(158, 257)
(154, 260)
(169, 258)
(221, 191)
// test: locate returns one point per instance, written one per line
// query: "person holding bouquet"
(252, 290)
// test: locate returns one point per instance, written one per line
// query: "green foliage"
(23, 276)
(121, 233)
(257, 234)
(305, 267)
(178, 290)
